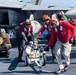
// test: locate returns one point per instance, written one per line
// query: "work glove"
(46, 48)
(71, 41)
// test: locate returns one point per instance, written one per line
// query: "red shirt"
(63, 32)
(45, 26)
(25, 29)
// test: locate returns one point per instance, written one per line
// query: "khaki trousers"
(62, 49)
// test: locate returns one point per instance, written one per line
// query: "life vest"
(47, 27)
(26, 29)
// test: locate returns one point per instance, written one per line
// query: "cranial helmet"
(46, 17)
(59, 15)
(54, 19)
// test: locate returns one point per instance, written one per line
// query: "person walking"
(64, 32)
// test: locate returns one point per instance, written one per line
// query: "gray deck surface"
(10, 65)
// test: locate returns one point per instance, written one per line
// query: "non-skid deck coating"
(10, 66)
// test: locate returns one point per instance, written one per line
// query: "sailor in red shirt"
(73, 21)
(47, 26)
(26, 29)
(24, 32)
(64, 32)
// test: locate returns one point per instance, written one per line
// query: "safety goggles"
(54, 23)
(45, 20)
(27, 24)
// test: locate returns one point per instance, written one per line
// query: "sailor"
(47, 26)
(73, 21)
(6, 38)
(61, 16)
(64, 32)
(25, 33)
